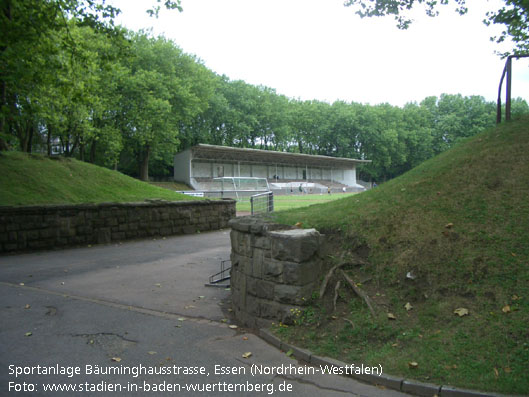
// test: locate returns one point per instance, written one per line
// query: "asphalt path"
(136, 319)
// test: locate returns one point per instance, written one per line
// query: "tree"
(29, 38)
(514, 15)
(164, 89)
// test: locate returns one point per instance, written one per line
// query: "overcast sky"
(319, 49)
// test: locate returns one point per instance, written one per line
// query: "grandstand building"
(200, 165)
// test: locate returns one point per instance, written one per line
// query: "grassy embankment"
(36, 179)
(459, 226)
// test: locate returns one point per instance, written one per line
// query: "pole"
(508, 90)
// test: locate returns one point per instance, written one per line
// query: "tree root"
(360, 293)
(336, 288)
(327, 277)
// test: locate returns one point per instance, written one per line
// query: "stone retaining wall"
(274, 270)
(56, 226)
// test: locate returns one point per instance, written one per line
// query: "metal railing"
(507, 72)
(262, 203)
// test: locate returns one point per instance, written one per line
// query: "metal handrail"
(507, 71)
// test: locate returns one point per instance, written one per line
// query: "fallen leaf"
(408, 306)
(507, 370)
(298, 224)
(22, 284)
(233, 326)
(27, 307)
(395, 345)
(513, 254)
(449, 225)
(461, 312)
(244, 338)
(413, 364)
(247, 355)
(391, 316)
(158, 285)
(515, 297)
(289, 353)
(506, 309)
(496, 373)
(181, 319)
(224, 320)
(116, 359)
(151, 352)
(201, 297)
(28, 333)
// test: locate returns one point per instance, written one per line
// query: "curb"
(388, 381)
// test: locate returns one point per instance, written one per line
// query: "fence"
(262, 203)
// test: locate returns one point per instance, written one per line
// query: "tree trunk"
(30, 137)
(3, 87)
(23, 137)
(144, 163)
(3, 102)
(48, 140)
(93, 151)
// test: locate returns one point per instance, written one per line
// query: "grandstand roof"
(213, 152)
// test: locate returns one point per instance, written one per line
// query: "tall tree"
(165, 87)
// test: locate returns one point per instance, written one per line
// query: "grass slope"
(36, 179)
(460, 224)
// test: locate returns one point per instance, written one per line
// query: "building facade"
(202, 162)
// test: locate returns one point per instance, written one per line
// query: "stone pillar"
(275, 270)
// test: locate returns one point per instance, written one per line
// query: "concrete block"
(300, 273)
(292, 294)
(449, 391)
(299, 353)
(271, 310)
(297, 245)
(259, 288)
(420, 389)
(272, 270)
(270, 337)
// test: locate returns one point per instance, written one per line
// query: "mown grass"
(174, 186)
(30, 179)
(286, 202)
(460, 224)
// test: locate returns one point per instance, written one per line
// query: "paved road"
(145, 304)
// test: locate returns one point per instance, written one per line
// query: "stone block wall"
(274, 270)
(56, 226)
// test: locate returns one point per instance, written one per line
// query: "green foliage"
(72, 83)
